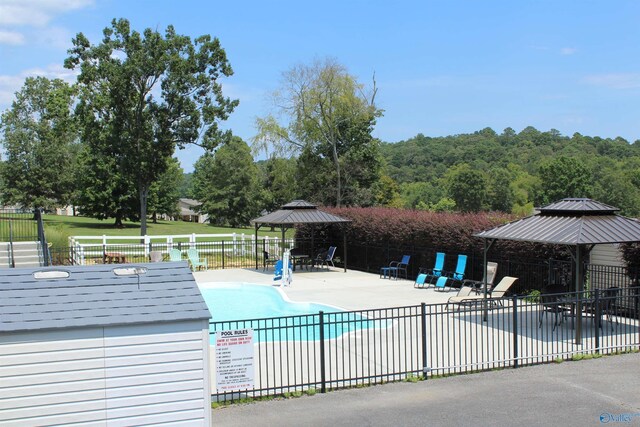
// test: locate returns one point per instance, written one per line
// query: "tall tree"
(226, 184)
(165, 192)
(38, 134)
(105, 192)
(143, 95)
(467, 187)
(564, 177)
(278, 183)
(330, 117)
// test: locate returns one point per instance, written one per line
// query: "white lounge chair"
(496, 294)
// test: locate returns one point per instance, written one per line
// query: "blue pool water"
(239, 306)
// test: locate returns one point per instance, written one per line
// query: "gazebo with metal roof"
(577, 223)
(299, 212)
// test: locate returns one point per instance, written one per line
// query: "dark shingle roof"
(570, 222)
(95, 296)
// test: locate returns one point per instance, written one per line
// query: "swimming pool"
(242, 305)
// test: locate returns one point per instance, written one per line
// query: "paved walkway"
(586, 393)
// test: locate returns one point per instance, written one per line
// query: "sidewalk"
(584, 393)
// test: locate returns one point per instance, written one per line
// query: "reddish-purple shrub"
(448, 232)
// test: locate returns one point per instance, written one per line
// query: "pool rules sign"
(234, 360)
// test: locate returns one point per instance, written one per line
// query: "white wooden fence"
(83, 248)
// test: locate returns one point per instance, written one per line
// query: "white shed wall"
(607, 254)
(112, 376)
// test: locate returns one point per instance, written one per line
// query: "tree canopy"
(328, 118)
(226, 184)
(38, 134)
(144, 94)
(522, 170)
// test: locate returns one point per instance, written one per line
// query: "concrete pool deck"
(350, 290)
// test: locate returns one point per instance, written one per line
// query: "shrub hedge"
(446, 232)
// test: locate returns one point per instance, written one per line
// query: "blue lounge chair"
(458, 275)
(430, 275)
(325, 258)
(421, 281)
(441, 283)
(395, 267)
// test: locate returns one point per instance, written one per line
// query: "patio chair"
(175, 255)
(195, 260)
(551, 302)
(478, 285)
(268, 259)
(432, 274)
(457, 276)
(441, 283)
(395, 267)
(325, 258)
(421, 281)
(155, 256)
(606, 306)
(495, 296)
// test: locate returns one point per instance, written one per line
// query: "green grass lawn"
(59, 227)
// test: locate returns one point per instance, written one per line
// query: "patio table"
(301, 259)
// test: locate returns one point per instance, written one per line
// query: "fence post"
(13, 261)
(515, 331)
(41, 237)
(423, 320)
(323, 378)
(222, 254)
(598, 321)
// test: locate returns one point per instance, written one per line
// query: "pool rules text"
(234, 360)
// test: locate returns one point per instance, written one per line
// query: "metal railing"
(326, 351)
(22, 238)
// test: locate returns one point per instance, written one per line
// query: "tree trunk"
(118, 220)
(144, 192)
(336, 162)
(154, 217)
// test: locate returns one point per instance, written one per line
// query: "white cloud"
(614, 80)
(56, 37)
(11, 37)
(568, 50)
(10, 84)
(36, 12)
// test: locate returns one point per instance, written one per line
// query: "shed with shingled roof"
(87, 344)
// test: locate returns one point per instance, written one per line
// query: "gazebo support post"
(487, 246)
(344, 246)
(313, 251)
(581, 252)
(256, 243)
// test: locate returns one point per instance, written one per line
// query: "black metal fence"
(18, 225)
(324, 351)
(531, 274)
(22, 238)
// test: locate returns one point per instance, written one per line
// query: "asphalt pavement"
(604, 391)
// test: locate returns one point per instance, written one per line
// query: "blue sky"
(442, 67)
